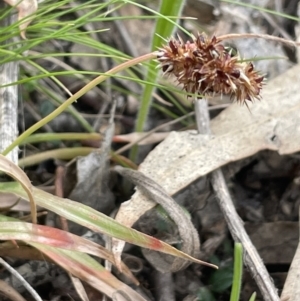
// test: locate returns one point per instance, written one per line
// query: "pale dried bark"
(8, 100)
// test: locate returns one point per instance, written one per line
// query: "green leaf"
(94, 220)
(164, 28)
(253, 297)
(238, 272)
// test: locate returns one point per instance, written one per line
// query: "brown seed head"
(205, 67)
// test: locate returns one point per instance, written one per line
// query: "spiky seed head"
(206, 67)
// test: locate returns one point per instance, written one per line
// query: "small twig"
(233, 36)
(129, 145)
(156, 129)
(106, 146)
(274, 22)
(234, 222)
(21, 279)
(156, 193)
(202, 116)
(59, 174)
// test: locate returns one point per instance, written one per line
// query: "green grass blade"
(164, 28)
(95, 220)
(67, 153)
(47, 137)
(253, 297)
(74, 97)
(237, 272)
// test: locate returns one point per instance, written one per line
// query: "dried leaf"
(29, 233)
(183, 157)
(18, 174)
(26, 9)
(89, 270)
(94, 220)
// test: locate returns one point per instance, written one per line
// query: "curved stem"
(233, 36)
(74, 97)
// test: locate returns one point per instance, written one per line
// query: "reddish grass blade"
(96, 221)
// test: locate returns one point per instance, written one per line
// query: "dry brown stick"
(234, 222)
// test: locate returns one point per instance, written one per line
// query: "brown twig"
(234, 222)
(233, 36)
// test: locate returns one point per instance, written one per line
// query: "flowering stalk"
(204, 67)
(77, 95)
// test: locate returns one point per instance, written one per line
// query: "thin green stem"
(60, 153)
(46, 137)
(253, 297)
(237, 272)
(77, 95)
(164, 28)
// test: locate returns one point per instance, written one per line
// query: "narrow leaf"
(237, 272)
(89, 270)
(19, 175)
(164, 28)
(30, 233)
(94, 220)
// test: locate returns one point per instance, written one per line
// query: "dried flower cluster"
(206, 67)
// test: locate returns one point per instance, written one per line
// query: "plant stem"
(232, 36)
(77, 95)
(253, 297)
(47, 137)
(237, 272)
(60, 153)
